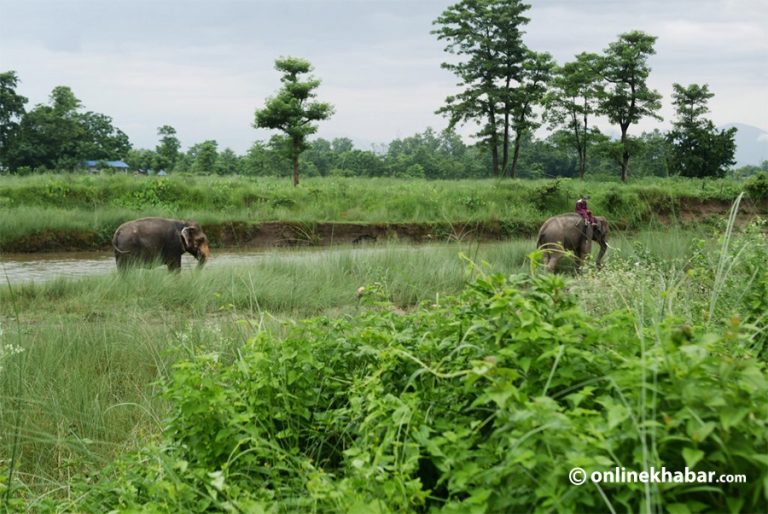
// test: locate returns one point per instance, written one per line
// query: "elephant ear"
(188, 237)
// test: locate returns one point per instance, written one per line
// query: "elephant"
(157, 241)
(569, 232)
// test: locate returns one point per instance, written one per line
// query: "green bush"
(757, 186)
(477, 403)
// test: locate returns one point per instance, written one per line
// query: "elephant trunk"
(601, 253)
(203, 254)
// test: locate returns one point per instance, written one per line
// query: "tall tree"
(572, 101)
(533, 78)
(100, 139)
(698, 149)
(204, 157)
(488, 35)
(228, 163)
(292, 110)
(58, 135)
(168, 149)
(11, 111)
(627, 98)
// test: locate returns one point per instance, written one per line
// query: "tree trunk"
(494, 140)
(295, 165)
(583, 156)
(515, 155)
(494, 157)
(625, 154)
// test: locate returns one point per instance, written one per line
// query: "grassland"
(61, 212)
(85, 365)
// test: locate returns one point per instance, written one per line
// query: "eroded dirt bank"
(688, 212)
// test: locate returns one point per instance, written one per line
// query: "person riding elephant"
(583, 211)
(570, 232)
(157, 241)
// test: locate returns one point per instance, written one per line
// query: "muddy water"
(41, 267)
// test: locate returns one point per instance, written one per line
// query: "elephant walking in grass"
(570, 233)
(157, 241)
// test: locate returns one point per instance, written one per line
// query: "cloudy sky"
(205, 66)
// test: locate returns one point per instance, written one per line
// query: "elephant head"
(195, 242)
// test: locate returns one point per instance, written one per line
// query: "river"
(42, 267)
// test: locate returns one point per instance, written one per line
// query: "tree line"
(505, 88)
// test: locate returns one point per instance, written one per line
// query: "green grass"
(83, 388)
(57, 203)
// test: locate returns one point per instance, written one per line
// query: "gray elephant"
(157, 241)
(569, 232)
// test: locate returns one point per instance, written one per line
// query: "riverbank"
(54, 213)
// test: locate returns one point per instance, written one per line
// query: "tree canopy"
(292, 110)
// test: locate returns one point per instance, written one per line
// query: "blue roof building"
(115, 165)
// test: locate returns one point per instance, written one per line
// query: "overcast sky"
(205, 66)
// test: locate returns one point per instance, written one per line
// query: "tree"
(228, 163)
(49, 136)
(572, 100)
(626, 98)
(141, 159)
(11, 111)
(292, 110)
(533, 78)
(168, 149)
(204, 157)
(59, 136)
(698, 149)
(487, 33)
(100, 139)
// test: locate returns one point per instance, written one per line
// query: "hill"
(751, 144)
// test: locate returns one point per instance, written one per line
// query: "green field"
(460, 377)
(82, 212)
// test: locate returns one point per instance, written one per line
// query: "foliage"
(292, 110)
(11, 111)
(493, 74)
(477, 403)
(81, 211)
(572, 100)
(757, 186)
(627, 98)
(168, 149)
(697, 148)
(59, 135)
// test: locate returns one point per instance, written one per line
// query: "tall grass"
(94, 348)
(29, 205)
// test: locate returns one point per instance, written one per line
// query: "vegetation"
(502, 80)
(627, 98)
(81, 211)
(697, 148)
(406, 398)
(504, 87)
(292, 110)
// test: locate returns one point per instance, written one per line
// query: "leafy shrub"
(757, 186)
(480, 403)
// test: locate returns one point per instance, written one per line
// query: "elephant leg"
(175, 264)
